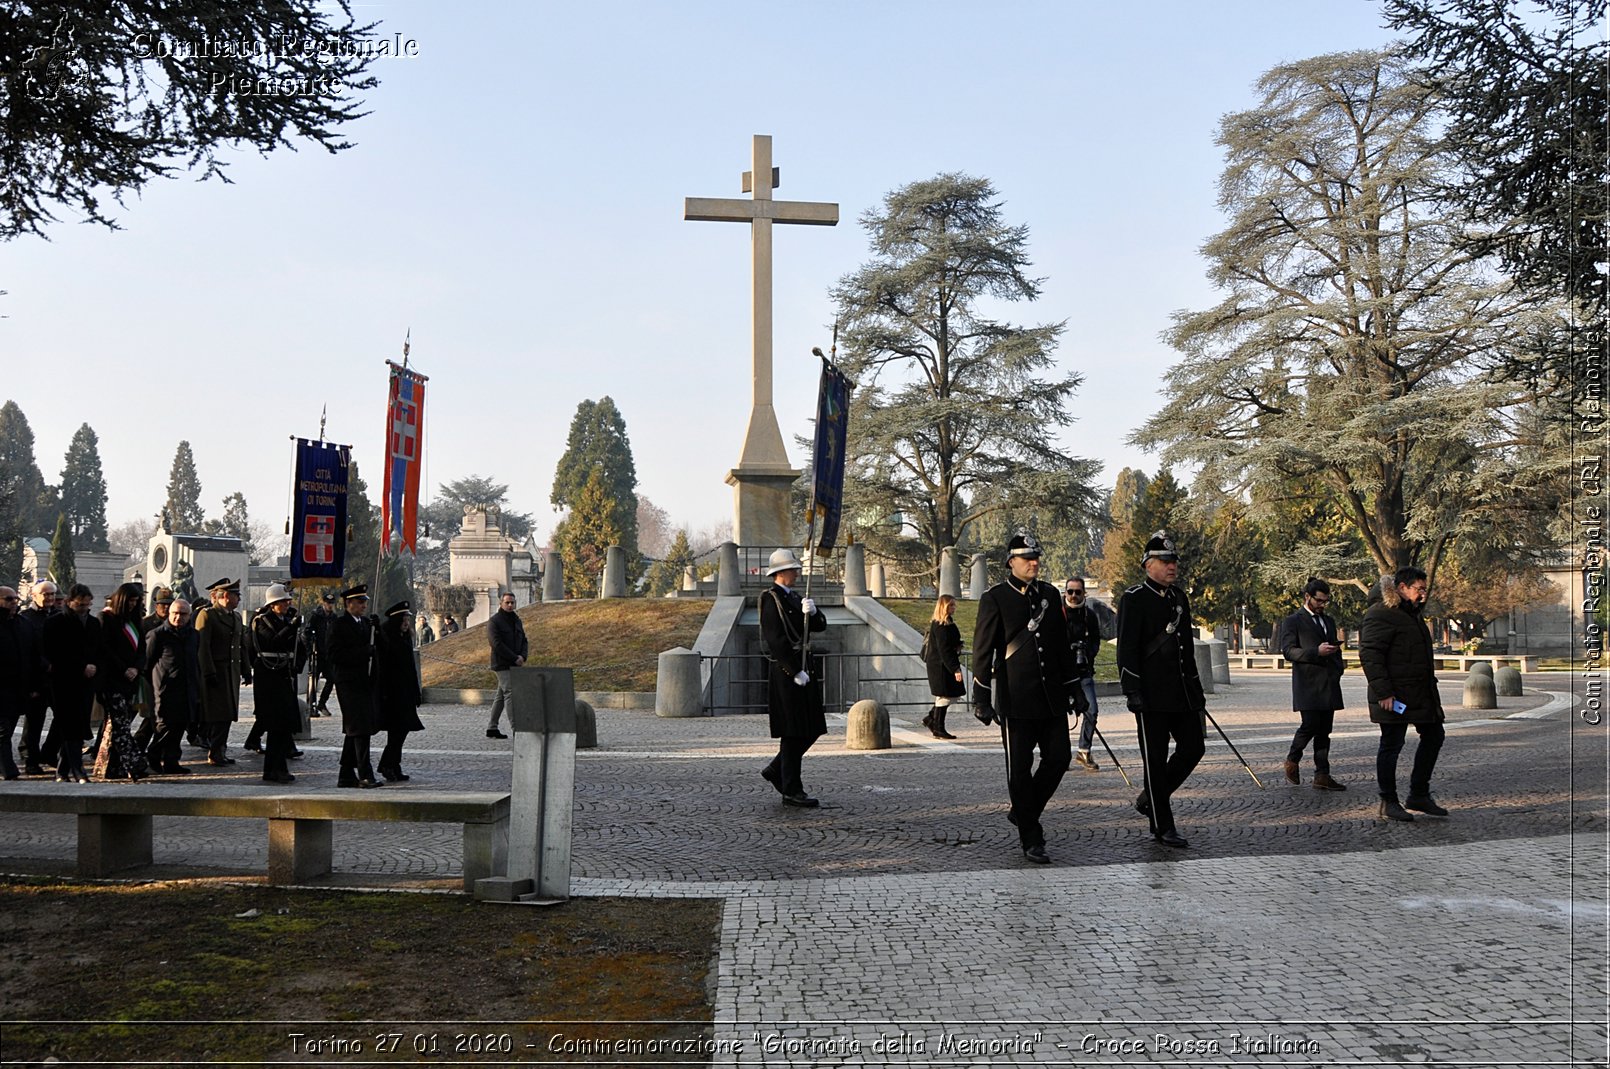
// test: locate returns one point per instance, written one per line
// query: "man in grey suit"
(1308, 639)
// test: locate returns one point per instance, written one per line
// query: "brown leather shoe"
(1292, 774)
(1323, 782)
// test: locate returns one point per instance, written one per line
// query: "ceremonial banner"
(832, 425)
(399, 504)
(319, 522)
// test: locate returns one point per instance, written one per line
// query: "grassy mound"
(612, 645)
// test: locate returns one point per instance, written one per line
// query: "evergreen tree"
(665, 574)
(951, 420)
(236, 523)
(63, 568)
(184, 492)
(598, 445)
(584, 536)
(363, 549)
(22, 488)
(83, 491)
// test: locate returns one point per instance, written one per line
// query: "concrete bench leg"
(486, 851)
(298, 850)
(108, 842)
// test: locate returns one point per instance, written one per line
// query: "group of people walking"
(1034, 653)
(184, 671)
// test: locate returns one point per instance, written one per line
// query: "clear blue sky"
(515, 197)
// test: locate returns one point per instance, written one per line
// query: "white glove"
(808, 606)
(803, 678)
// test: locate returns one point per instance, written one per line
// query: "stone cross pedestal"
(763, 478)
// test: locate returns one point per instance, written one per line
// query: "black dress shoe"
(33, 769)
(295, 754)
(1037, 855)
(1171, 838)
(773, 777)
(494, 733)
(174, 770)
(1424, 803)
(13, 774)
(394, 775)
(1391, 810)
(367, 783)
(252, 747)
(801, 800)
(64, 777)
(220, 761)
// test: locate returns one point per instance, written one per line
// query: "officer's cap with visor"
(1160, 547)
(1023, 545)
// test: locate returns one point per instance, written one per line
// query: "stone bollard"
(855, 570)
(978, 583)
(1479, 691)
(1219, 656)
(1507, 682)
(867, 727)
(1483, 667)
(690, 579)
(586, 726)
(950, 575)
(553, 578)
(875, 582)
(678, 690)
(614, 573)
(542, 789)
(1204, 666)
(728, 582)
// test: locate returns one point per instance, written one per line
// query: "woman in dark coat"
(399, 689)
(117, 681)
(1394, 647)
(942, 654)
(278, 654)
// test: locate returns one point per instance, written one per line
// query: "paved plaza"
(898, 924)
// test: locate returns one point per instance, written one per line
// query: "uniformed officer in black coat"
(1023, 674)
(278, 653)
(354, 667)
(1157, 669)
(793, 697)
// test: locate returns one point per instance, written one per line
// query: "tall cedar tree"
(951, 420)
(63, 567)
(1524, 86)
(183, 504)
(598, 445)
(83, 491)
(1350, 354)
(84, 116)
(22, 489)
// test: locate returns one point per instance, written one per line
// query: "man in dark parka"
(793, 698)
(1394, 647)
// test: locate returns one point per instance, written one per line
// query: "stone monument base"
(762, 513)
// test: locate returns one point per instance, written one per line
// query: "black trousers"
(391, 756)
(33, 727)
(277, 752)
(9, 715)
(1029, 788)
(1316, 725)
(355, 761)
(166, 743)
(215, 735)
(1425, 758)
(1165, 774)
(790, 755)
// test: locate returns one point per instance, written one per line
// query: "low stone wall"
(598, 699)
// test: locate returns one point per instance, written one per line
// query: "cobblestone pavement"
(898, 924)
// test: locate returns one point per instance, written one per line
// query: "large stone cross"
(763, 476)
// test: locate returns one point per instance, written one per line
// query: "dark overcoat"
(944, 660)
(70, 643)
(1021, 664)
(221, 638)
(398, 679)
(170, 654)
(1394, 647)
(354, 667)
(1156, 653)
(22, 666)
(793, 711)
(1316, 681)
(121, 648)
(277, 654)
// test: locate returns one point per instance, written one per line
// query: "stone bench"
(1258, 660)
(1523, 662)
(114, 821)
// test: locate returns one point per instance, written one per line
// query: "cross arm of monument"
(732, 210)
